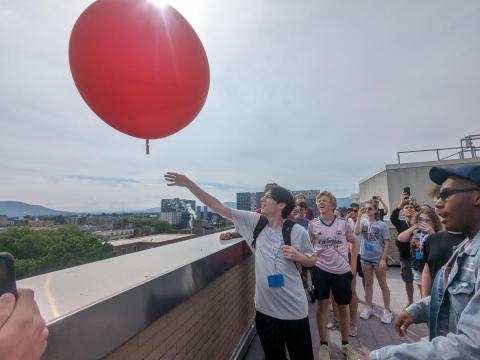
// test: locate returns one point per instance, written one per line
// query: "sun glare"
(159, 3)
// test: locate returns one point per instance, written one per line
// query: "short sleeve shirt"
(374, 234)
(288, 302)
(330, 244)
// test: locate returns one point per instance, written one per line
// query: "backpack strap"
(262, 222)
(287, 231)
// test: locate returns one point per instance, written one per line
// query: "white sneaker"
(334, 325)
(348, 352)
(386, 317)
(353, 330)
(366, 313)
(324, 354)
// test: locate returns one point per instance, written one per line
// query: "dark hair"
(282, 195)
(354, 204)
(303, 205)
(269, 186)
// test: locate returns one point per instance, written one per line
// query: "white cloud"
(318, 95)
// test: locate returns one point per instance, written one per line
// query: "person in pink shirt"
(333, 269)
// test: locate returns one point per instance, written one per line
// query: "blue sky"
(311, 94)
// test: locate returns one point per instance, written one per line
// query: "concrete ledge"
(93, 309)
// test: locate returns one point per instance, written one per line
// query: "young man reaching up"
(280, 300)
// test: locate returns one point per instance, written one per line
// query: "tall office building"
(251, 201)
(176, 205)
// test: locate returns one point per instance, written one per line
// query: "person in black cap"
(453, 309)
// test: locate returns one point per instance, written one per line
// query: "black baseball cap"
(468, 172)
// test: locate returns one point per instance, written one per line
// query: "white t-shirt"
(288, 302)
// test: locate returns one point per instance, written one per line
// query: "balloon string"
(147, 146)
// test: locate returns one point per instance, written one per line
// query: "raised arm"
(405, 236)
(176, 179)
(385, 207)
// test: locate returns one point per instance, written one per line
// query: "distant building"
(3, 220)
(176, 205)
(172, 217)
(355, 198)
(389, 183)
(205, 213)
(99, 220)
(40, 223)
(251, 200)
(117, 234)
(199, 212)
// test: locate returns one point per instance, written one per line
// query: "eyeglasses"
(446, 193)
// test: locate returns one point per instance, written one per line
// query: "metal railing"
(467, 149)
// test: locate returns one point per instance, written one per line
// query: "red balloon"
(140, 67)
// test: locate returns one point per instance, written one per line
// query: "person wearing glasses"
(426, 223)
(281, 304)
(437, 249)
(373, 255)
(452, 311)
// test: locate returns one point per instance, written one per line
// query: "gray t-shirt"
(374, 234)
(288, 302)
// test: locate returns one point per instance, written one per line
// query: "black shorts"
(359, 266)
(341, 285)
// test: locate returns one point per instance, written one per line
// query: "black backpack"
(286, 232)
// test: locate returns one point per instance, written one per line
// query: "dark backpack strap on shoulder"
(262, 222)
(287, 231)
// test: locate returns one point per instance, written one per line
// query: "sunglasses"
(446, 193)
(423, 219)
(369, 208)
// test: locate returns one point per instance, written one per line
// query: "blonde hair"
(328, 194)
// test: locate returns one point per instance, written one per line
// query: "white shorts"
(417, 277)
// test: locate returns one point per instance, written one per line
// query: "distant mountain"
(151, 210)
(18, 209)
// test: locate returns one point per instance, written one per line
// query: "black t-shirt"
(437, 249)
(401, 226)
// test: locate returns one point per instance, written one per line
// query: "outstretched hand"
(176, 179)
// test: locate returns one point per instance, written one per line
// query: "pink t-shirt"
(330, 244)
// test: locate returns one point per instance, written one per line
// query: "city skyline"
(313, 96)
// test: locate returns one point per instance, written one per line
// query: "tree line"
(42, 251)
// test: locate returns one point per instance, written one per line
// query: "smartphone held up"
(7, 274)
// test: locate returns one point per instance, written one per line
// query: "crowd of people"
(439, 252)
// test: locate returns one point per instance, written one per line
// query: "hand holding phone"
(7, 274)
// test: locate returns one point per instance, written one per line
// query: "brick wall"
(392, 248)
(209, 325)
